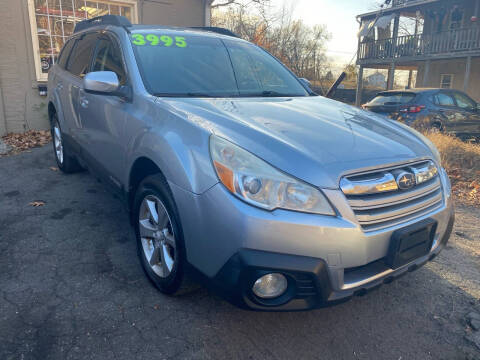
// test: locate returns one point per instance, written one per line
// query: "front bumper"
(310, 285)
(326, 259)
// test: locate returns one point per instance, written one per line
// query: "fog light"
(270, 286)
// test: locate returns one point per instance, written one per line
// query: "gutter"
(397, 8)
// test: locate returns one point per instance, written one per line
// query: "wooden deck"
(449, 44)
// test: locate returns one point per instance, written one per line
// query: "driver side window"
(464, 102)
(108, 57)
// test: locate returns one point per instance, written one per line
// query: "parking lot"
(72, 288)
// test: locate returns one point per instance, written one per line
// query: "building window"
(446, 81)
(53, 21)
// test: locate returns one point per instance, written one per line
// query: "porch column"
(358, 100)
(468, 67)
(426, 72)
(391, 76)
(391, 70)
(396, 26)
(410, 76)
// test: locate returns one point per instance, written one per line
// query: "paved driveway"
(72, 288)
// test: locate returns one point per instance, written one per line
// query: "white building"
(377, 80)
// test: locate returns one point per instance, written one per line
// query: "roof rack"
(115, 20)
(217, 30)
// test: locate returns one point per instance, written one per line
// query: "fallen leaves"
(30, 139)
(37, 203)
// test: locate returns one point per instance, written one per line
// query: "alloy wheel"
(157, 237)
(57, 139)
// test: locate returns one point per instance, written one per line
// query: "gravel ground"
(72, 288)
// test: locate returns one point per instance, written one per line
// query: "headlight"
(260, 184)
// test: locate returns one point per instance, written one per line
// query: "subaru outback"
(232, 168)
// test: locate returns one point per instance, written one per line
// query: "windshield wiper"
(271, 93)
(198, 94)
(189, 94)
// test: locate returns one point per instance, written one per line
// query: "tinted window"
(206, 66)
(464, 101)
(62, 60)
(443, 99)
(79, 60)
(108, 57)
(393, 99)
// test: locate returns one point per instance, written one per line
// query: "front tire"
(159, 235)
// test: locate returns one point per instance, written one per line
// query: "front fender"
(181, 152)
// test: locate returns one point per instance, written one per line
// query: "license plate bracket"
(411, 243)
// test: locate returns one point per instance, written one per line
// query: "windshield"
(393, 99)
(201, 66)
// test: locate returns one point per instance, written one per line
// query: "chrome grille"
(377, 206)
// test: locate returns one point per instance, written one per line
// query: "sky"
(340, 18)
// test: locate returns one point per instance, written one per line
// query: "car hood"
(312, 138)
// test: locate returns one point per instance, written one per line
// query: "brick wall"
(20, 104)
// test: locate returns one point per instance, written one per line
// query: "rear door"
(58, 76)
(77, 66)
(469, 126)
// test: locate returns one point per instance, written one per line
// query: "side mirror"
(101, 82)
(305, 82)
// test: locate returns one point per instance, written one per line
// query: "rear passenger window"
(62, 60)
(79, 60)
(443, 99)
(108, 57)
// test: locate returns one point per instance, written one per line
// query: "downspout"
(208, 12)
(140, 15)
(3, 118)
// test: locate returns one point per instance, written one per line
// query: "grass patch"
(462, 162)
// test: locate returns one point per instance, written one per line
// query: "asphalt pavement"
(72, 288)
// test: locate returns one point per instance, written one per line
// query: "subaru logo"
(406, 180)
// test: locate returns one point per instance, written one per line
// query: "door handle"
(84, 103)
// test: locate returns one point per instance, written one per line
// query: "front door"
(104, 117)
(469, 127)
(451, 117)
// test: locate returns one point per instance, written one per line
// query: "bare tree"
(300, 47)
(223, 3)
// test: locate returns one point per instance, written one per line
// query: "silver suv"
(233, 168)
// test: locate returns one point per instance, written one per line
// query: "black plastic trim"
(308, 280)
(115, 20)
(215, 29)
